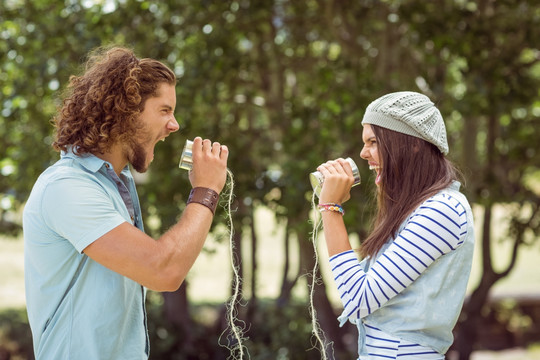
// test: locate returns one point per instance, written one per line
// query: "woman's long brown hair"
(412, 171)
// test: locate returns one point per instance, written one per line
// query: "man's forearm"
(182, 244)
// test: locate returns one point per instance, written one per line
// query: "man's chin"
(140, 168)
(140, 158)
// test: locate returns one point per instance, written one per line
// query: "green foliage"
(199, 340)
(283, 84)
(274, 333)
(283, 333)
(489, 51)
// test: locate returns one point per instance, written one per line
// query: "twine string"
(317, 331)
(236, 348)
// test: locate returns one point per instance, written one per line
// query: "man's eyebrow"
(168, 107)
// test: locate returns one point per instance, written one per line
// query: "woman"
(406, 294)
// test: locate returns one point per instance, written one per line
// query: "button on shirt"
(77, 308)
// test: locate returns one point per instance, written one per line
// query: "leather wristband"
(204, 196)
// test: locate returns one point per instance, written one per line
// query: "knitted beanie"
(409, 113)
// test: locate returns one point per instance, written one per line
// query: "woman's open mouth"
(377, 169)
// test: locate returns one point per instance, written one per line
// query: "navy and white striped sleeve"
(437, 227)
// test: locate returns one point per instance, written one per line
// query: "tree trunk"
(237, 264)
(252, 305)
(469, 159)
(176, 311)
(468, 329)
(176, 307)
(287, 284)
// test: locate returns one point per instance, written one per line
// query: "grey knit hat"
(409, 113)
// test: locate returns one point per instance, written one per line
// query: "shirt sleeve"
(79, 210)
(437, 227)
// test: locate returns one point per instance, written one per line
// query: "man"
(88, 261)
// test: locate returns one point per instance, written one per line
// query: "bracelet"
(331, 207)
(204, 196)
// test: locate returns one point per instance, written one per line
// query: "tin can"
(317, 179)
(186, 160)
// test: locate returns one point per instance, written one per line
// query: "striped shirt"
(435, 228)
(381, 345)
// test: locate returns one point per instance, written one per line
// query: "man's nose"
(172, 125)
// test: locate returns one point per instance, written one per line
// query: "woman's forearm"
(335, 233)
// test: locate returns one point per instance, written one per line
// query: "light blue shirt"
(77, 308)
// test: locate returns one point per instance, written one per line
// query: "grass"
(12, 270)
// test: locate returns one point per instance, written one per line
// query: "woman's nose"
(364, 153)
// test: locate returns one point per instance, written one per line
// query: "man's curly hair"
(101, 107)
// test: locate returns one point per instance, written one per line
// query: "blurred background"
(284, 84)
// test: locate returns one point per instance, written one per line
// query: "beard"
(137, 158)
(136, 152)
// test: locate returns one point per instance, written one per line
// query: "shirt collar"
(89, 161)
(455, 185)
